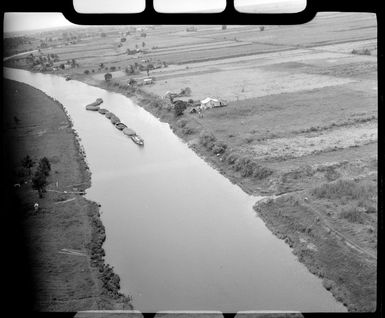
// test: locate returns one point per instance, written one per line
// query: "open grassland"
(300, 123)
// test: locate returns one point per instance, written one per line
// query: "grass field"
(301, 124)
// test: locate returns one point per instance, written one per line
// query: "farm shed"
(210, 103)
(148, 81)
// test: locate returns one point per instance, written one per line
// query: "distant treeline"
(14, 42)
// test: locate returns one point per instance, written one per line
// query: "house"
(209, 102)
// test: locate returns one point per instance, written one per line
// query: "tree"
(132, 82)
(185, 92)
(86, 72)
(143, 44)
(179, 108)
(107, 77)
(123, 40)
(27, 163)
(44, 166)
(39, 182)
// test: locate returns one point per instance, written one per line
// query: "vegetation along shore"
(63, 231)
(293, 118)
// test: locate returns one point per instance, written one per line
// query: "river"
(179, 234)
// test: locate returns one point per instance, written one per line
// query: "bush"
(39, 182)
(219, 147)
(352, 215)
(207, 139)
(44, 166)
(331, 174)
(249, 168)
(86, 72)
(179, 107)
(27, 163)
(232, 158)
(156, 103)
(188, 130)
(107, 77)
(182, 122)
(348, 189)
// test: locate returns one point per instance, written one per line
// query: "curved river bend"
(179, 234)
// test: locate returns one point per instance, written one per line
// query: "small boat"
(136, 139)
(103, 111)
(92, 107)
(120, 126)
(129, 132)
(109, 115)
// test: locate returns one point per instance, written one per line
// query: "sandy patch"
(230, 85)
(299, 146)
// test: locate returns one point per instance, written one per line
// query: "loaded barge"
(115, 121)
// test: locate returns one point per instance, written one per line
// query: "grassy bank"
(301, 122)
(64, 237)
(332, 229)
(328, 215)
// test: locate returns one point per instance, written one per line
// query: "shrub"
(39, 182)
(44, 166)
(353, 215)
(249, 168)
(27, 163)
(331, 174)
(348, 189)
(179, 107)
(107, 77)
(86, 72)
(232, 158)
(207, 139)
(219, 147)
(261, 172)
(188, 130)
(182, 122)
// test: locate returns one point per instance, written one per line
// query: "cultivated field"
(300, 123)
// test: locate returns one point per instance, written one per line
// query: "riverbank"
(64, 237)
(314, 226)
(300, 122)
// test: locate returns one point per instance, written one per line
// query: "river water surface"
(179, 234)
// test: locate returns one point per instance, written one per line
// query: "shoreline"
(103, 284)
(315, 263)
(329, 273)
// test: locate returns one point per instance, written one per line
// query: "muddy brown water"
(179, 234)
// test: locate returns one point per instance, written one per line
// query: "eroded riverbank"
(129, 183)
(65, 237)
(338, 276)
